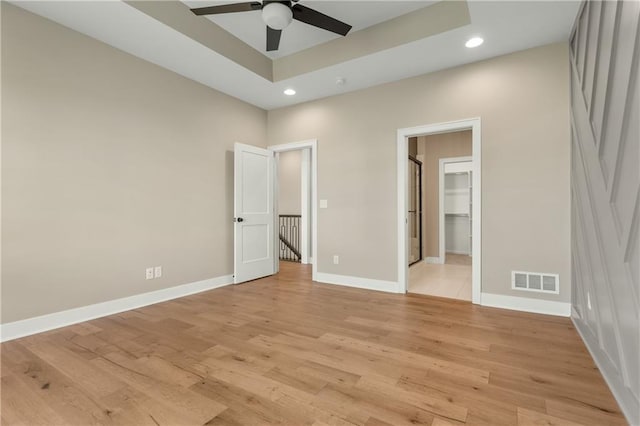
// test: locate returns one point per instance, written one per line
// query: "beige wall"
(110, 165)
(289, 182)
(522, 99)
(433, 148)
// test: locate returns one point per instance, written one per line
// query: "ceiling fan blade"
(273, 39)
(228, 8)
(320, 20)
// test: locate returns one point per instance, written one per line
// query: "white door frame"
(441, 228)
(305, 204)
(312, 145)
(473, 124)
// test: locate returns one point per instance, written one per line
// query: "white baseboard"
(459, 252)
(27, 327)
(537, 306)
(434, 260)
(359, 282)
(628, 403)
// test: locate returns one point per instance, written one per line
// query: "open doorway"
(446, 191)
(449, 154)
(296, 178)
(294, 205)
(256, 219)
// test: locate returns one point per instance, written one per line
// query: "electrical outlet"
(157, 272)
(588, 301)
(149, 273)
(336, 259)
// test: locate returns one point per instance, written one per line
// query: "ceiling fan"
(277, 15)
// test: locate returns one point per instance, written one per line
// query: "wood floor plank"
(297, 379)
(311, 411)
(284, 350)
(21, 405)
(193, 409)
(54, 388)
(580, 412)
(409, 357)
(533, 418)
(413, 330)
(245, 407)
(328, 374)
(386, 408)
(556, 388)
(486, 404)
(439, 406)
(95, 382)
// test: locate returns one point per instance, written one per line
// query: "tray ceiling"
(391, 40)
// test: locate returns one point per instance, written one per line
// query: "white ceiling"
(506, 26)
(249, 27)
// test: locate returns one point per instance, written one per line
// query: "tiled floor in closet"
(451, 279)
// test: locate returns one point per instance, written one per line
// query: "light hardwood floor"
(282, 350)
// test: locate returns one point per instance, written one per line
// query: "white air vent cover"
(535, 281)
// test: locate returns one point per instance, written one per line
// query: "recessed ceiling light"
(474, 42)
(289, 92)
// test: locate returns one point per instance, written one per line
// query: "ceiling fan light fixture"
(277, 15)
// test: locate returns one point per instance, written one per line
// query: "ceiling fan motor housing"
(277, 15)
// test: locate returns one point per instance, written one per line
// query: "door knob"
(238, 219)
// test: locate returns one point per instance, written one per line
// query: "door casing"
(473, 124)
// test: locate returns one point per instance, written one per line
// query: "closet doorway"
(446, 271)
(449, 246)
(455, 208)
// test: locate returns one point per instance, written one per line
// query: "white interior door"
(254, 254)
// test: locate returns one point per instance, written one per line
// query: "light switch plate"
(323, 204)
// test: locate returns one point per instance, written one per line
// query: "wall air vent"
(535, 281)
